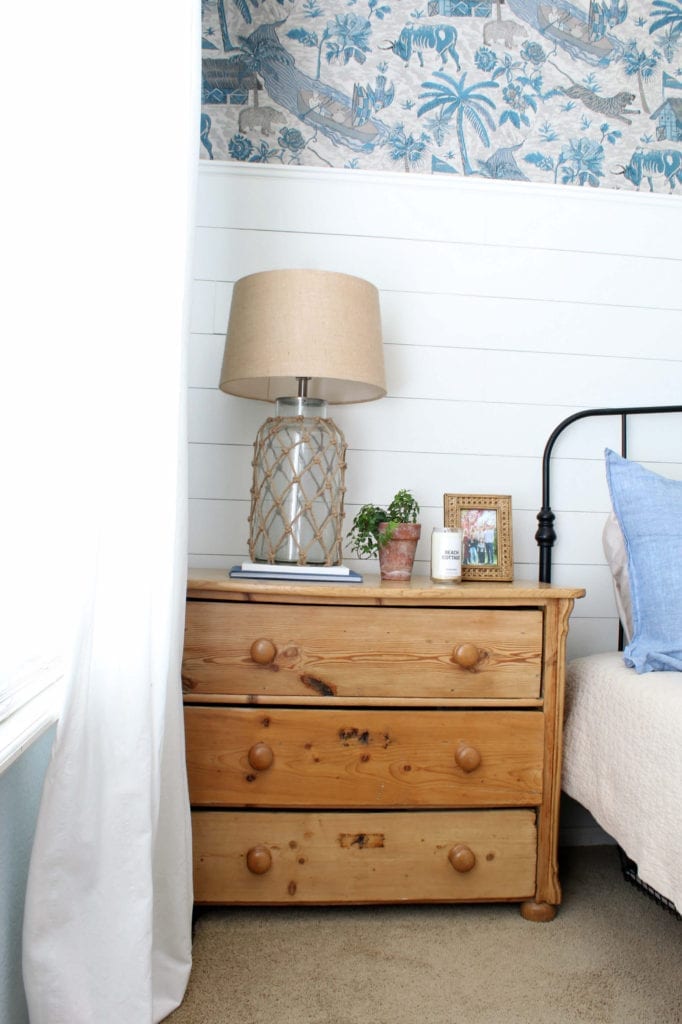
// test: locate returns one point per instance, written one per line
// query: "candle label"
(446, 554)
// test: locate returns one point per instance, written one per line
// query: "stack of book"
(299, 573)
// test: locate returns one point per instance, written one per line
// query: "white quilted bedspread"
(623, 761)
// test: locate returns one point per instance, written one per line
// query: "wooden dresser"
(375, 743)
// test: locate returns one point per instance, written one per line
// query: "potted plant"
(391, 533)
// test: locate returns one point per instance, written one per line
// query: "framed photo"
(485, 522)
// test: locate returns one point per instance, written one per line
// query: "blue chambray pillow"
(649, 510)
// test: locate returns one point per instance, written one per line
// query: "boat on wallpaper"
(333, 114)
(582, 34)
(313, 102)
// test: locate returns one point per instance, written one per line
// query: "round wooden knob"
(260, 756)
(466, 655)
(462, 858)
(467, 758)
(263, 651)
(259, 860)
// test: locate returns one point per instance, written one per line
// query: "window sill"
(24, 727)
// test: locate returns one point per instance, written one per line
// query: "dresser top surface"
(215, 584)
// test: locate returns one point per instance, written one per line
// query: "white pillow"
(617, 558)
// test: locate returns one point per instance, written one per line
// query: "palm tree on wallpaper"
(407, 148)
(465, 103)
(249, 56)
(637, 62)
(669, 42)
(224, 31)
(668, 15)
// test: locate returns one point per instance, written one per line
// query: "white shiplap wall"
(506, 307)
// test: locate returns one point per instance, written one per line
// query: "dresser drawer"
(363, 758)
(271, 650)
(363, 857)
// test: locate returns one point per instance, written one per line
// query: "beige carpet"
(611, 956)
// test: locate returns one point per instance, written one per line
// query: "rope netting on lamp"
(297, 492)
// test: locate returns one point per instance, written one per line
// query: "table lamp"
(301, 339)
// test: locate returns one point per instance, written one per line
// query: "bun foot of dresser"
(540, 912)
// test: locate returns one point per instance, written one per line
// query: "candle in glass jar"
(446, 554)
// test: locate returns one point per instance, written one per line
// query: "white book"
(296, 570)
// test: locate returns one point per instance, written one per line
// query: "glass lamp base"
(298, 486)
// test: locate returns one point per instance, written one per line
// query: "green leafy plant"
(365, 536)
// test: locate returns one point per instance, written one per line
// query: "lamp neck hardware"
(301, 406)
(303, 386)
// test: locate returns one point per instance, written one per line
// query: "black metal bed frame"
(546, 537)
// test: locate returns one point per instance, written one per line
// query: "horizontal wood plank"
(398, 205)
(432, 266)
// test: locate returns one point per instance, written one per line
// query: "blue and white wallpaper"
(574, 92)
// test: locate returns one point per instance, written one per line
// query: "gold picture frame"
(486, 524)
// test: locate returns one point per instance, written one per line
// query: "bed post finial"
(545, 537)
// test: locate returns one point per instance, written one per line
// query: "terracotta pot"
(396, 557)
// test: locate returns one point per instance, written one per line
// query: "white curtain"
(100, 208)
